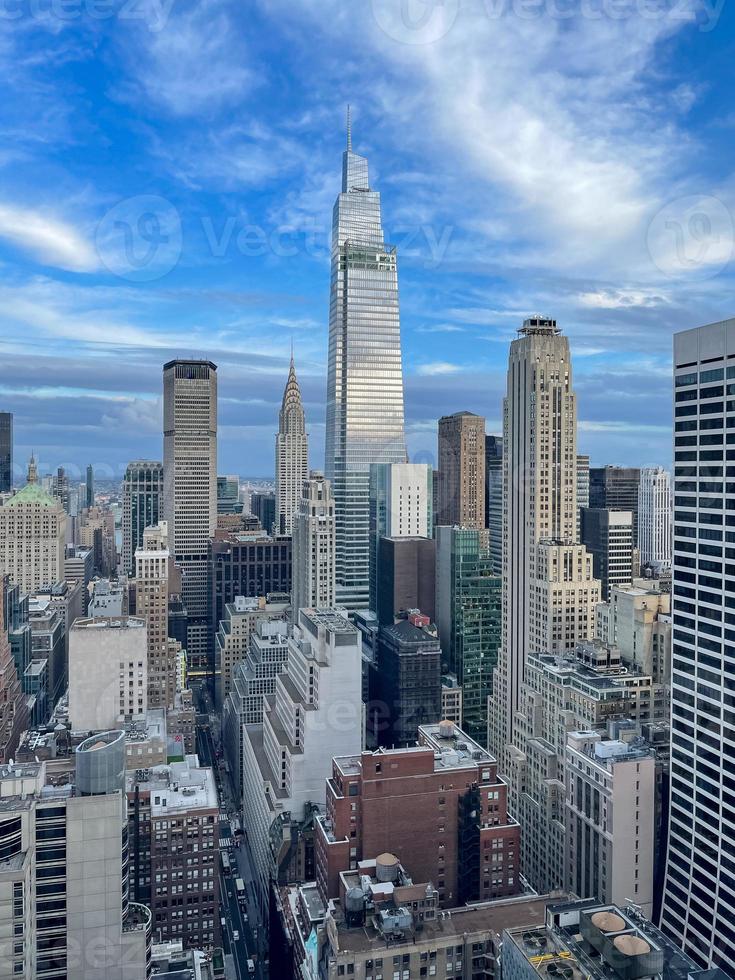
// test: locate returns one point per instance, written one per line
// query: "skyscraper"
(539, 490)
(61, 488)
(494, 498)
(32, 538)
(142, 506)
(654, 517)
(190, 487)
(608, 537)
(365, 375)
(583, 487)
(89, 487)
(616, 488)
(700, 888)
(461, 462)
(152, 562)
(6, 452)
(313, 580)
(292, 454)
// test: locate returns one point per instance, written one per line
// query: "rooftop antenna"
(349, 129)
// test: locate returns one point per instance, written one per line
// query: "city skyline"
(480, 249)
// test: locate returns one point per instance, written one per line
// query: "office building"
(583, 488)
(581, 691)
(152, 563)
(637, 620)
(108, 673)
(406, 577)
(32, 538)
(96, 530)
(190, 488)
(494, 498)
(142, 506)
(400, 507)
(461, 462)
(700, 888)
(107, 599)
(173, 830)
(16, 617)
(79, 569)
(64, 895)
(49, 644)
(610, 819)
(247, 564)
(6, 452)
(13, 707)
(616, 488)
(588, 940)
(253, 678)
(60, 489)
(228, 496)
(314, 547)
(238, 624)
(408, 674)
(539, 502)
(439, 805)
(292, 454)
(314, 715)
(608, 537)
(655, 512)
(263, 506)
(468, 616)
(364, 374)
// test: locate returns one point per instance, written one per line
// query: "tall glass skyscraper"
(365, 376)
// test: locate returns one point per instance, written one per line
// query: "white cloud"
(49, 240)
(614, 299)
(438, 367)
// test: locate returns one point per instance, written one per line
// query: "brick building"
(440, 807)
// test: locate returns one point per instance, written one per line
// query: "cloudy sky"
(168, 169)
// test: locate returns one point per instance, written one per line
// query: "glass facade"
(6, 452)
(365, 376)
(142, 496)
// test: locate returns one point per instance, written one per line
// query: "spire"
(32, 476)
(349, 129)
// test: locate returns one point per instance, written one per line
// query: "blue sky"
(168, 169)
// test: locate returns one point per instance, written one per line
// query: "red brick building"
(440, 807)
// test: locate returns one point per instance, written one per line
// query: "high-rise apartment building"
(142, 506)
(292, 454)
(365, 374)
(406, 578)
(32, 538)
(539, 503)
(108, 673)
(314, 715)
(64, 894)
(173, 830)
(616, 488)
(190, 488)
(608, 537)
(655, 512)
(494, 498)
(152, 563)
(6, 452)
(408, 689)
(400, 506)
(461, 462)
(439, 807)
(699, 893)
(314, 547)
(468, 616)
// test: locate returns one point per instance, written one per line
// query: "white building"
(292, 455)
(232, 640)
(314, 543)
(190, 486)
(610, 809)
(152, 562)
(638, 621)
(32, 538)
(315, 714)
(108, 673)
(655, 511)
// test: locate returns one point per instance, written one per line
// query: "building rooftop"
(333, 620)
(33, 493)
(176, 788)
(109, 623)
(457, 749)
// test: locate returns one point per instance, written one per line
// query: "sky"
(168, 170)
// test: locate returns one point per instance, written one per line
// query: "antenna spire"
(349, 128)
